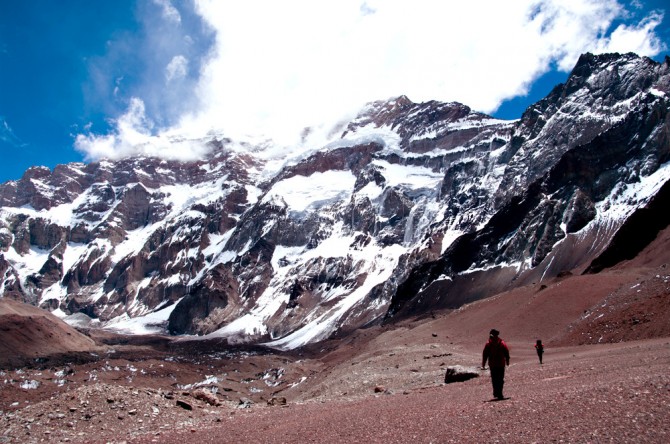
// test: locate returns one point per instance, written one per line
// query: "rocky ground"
(610, 393)
(604, 378)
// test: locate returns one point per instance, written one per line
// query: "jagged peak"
(593, 60)
(394, 111)
(37, 172)
(401, 101)
(589, 64)
(637, 70)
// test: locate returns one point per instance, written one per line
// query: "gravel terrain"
(605, 378)
(617, 393)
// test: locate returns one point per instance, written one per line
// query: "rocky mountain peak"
(417, 206)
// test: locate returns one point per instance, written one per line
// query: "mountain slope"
(29, 333)
(413, 207)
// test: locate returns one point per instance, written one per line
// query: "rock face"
(415, 206)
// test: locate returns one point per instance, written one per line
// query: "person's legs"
(497, 380)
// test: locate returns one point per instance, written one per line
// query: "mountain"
(415, 207)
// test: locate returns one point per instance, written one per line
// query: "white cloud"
(639, 38)
(132, 136)
(169, 12)
(176, 69)
(277, 67)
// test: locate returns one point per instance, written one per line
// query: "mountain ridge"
(415, 207)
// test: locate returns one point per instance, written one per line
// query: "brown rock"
(207, 396)
(277, 401)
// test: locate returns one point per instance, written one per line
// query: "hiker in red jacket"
(497, 354)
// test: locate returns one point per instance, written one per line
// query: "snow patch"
(312, 192)
(409, 176)
(152, 323)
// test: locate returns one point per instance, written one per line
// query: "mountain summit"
(415, 206)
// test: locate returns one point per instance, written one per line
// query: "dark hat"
(494, 332)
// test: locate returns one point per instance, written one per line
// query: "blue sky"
(81, 79)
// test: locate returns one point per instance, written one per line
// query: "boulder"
(458, 373)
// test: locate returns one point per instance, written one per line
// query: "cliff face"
(415, 206)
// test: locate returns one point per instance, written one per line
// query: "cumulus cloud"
(277, 67)
(132, 136)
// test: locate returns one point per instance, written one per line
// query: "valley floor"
(595, 393)
(605, 378)
(590, 393)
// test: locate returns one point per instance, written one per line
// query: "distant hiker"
(539, 348)
(497, 354)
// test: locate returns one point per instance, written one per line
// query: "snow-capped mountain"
(415, 206)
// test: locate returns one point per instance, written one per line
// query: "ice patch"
(657, 92)
(27, 264)
(151, 323)
(409, 176)
(301, 192)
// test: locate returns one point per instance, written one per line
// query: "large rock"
(459, 373)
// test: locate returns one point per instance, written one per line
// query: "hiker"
(497, 354)
(539, 348)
